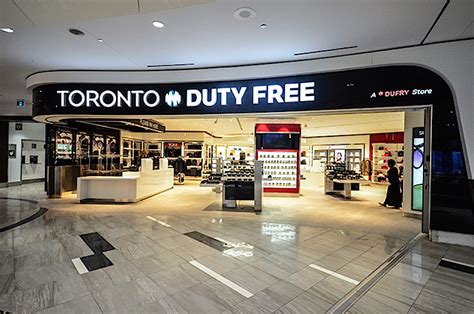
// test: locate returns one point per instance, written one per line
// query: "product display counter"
(339, 180)
(238, 182)
(131, 187)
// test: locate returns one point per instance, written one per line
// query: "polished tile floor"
(178, 252)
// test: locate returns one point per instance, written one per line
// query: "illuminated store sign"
(401, 92)
(223, 96)
(309, 92)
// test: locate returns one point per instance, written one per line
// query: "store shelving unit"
(320, 157)
(154, 148)
(353, 159)
(280, 170)
(381, 153)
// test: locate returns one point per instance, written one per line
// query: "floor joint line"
(346, 302)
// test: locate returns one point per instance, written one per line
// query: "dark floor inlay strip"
(207, 240)
(38, 214)
(96, 261)
(457, 266)
(96, 242)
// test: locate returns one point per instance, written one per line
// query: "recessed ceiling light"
(245, 14)
(76, 32)
(158, 24)
(100, 40)
(7, 30)
(263, 25)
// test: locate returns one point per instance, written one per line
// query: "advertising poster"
(417, 169)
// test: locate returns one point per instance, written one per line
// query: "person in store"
(180, 168)
(394, 196)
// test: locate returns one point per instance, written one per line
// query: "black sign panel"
(401, 85)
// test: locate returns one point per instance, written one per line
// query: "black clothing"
(394, 196)
(179, 166)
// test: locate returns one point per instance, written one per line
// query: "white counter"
(129, 188)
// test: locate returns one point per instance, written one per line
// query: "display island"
(131, 187)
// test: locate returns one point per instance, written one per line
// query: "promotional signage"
(347, 89)
(417, 168)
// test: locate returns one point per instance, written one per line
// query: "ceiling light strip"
(324, 50)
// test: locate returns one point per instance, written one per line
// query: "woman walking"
(394, 196)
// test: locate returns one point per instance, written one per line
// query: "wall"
(413, 119)
(349, 139)
(454, 61)
(30, 131)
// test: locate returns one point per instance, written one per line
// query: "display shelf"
(280, 168)
(381, 153)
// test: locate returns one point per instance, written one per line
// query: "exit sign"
(20, 103)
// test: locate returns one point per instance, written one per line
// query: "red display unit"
(278, 146)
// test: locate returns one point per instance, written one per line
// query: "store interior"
(343, 157)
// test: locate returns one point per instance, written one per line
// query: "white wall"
(413, 119)
(454, 61)
(31, 131)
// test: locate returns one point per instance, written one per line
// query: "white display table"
(131, 187)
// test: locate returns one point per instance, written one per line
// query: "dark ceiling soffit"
(435, 21)
(265, 63)
(169, 65)
(205, 132)
(126, 125)
(17, 118)
(324, 50)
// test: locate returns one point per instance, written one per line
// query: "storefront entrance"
(377, 89)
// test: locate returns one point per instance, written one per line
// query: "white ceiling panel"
(456, 22)
(160, 5)
(313, 125)
(205, 32)
(46, 12)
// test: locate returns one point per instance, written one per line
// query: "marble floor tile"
(356, 271)
(305, 303)
(251, 278)
(128, 296)
(424, 261)
(333, 262)
(220, 263)
(201, 298)
(429, 302)
(194, 251)
(399, 289)
(36, 260)
(96, 280)
(28, 300)
(455, 289)
(123, 272)
(68, 289)
(176, 241)
(37, 276)
(411, 273)
(164, 305)
(85, 304)
(306, 278)
(375, 303)
(278, 265)
(461, 254)
(178, 278)
(158, 261)
(269, 299)
(331, 289)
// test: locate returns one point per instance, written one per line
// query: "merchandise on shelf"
(381, 154)
(280, 168)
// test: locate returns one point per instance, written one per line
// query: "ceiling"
(315, 125)
(205, 32)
